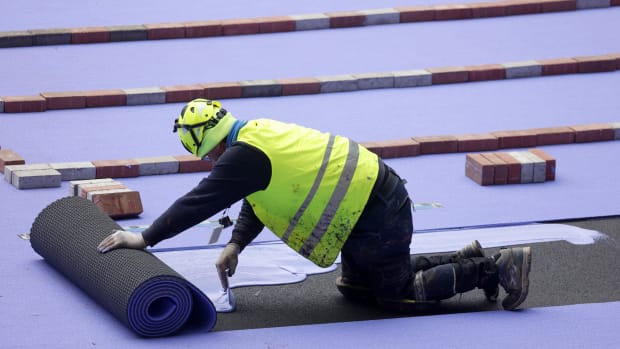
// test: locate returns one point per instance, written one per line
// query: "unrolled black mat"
(137, 288)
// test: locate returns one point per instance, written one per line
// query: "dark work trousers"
(376, 254)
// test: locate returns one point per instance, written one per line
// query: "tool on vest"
(224, 222)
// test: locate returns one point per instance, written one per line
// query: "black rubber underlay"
(136, 287)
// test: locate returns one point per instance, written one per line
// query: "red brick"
(479, 169)
(105, 98)
(64, 100)
(375, 147)
(447, 75)
(488, 9)
(346, 19)
(614, 3)
(240, 26)
(593, 133)
(119, 204)
(594, 64)
(276, 24)
(222, 90)
(159, 31)
(554, 135)
(416, 13)
(116, 168)
(300, 86)
(487, 72)
(452, 11)
(90, 35)
(399, 148)
(201, 29)
(437, 144)
(191, 163)
(558, 5)
(514, 167)
(521, 7)
(558, 66)
(549, 161)
(183, 93)
(500, 166)
(24, 104)
(9, 157)
(476, 142)
(515, 139)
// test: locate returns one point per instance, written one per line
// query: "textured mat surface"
(135, 286)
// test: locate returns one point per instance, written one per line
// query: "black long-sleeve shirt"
(240, 171)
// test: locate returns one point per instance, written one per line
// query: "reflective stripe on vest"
(334, 202)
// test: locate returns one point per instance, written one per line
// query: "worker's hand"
(121, 239)
(227, 262)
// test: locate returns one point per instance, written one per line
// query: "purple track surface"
(40, 308)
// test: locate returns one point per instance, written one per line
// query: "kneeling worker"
(322, 195)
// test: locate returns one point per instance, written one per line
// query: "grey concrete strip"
(260, 88)
(540, 167)
(311, 21)
(148, 95)
(374, 80)
(157, 165)
(128, 33)
(75, 170)
(50, 37)
(32, 179)
(588, 4)
(381, 16)
(527, 166)
(15, 39)
(338, 83)
(522, 69)
(412, 78)
(616, 127)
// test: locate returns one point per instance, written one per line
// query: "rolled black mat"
(135, 286)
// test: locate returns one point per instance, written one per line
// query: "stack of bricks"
(111, 196)
(532, 166)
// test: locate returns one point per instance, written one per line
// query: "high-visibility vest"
(319, 186)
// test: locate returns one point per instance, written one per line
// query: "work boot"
(474, 249)
(513, 270)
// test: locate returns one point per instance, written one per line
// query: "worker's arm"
(240, 171)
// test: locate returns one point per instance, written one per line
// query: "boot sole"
(526, 265)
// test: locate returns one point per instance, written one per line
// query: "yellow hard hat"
(202, 125)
